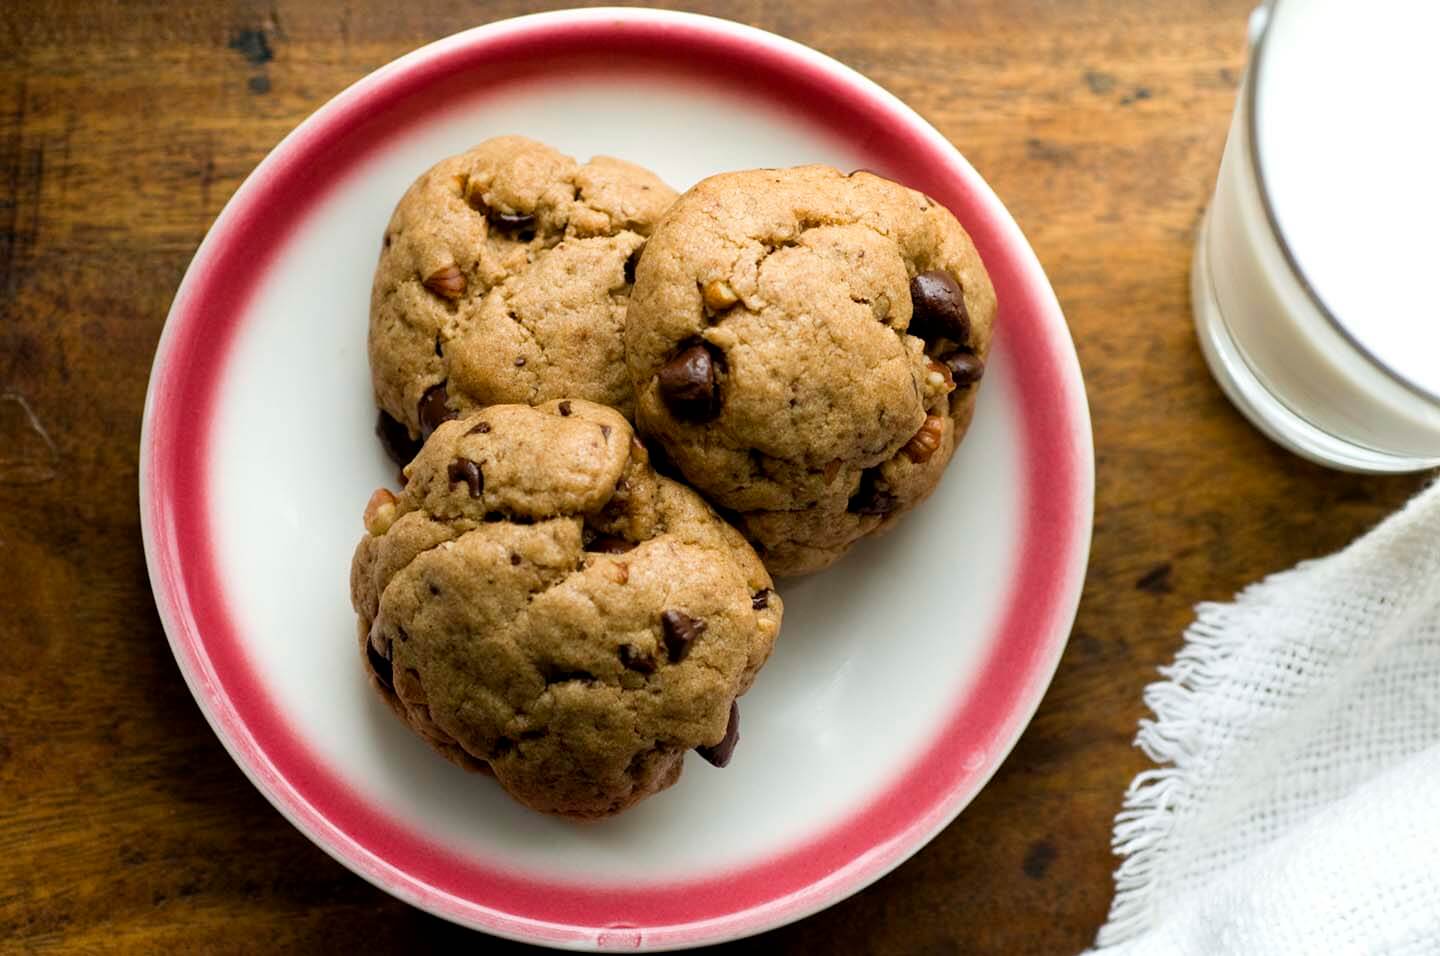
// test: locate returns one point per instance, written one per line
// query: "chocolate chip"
(480, 428)
(514, 558)
(965, 367)
(609, 544)
(760, 600)
(465, 471)
(688, 386)
(518, 222)
(395, 439)
(631, 264)
(939, 307)
(433, 410)
(681, 631)
(564, 409)
(447, 282)
(636, 660)
(720, 753)
(605, 432)
(520, 361)
(870, 499)
(380, 664)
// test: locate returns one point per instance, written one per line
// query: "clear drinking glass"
(1316, 278)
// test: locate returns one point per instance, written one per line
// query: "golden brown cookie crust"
(503, 278)
(539, 602)
(829, 421)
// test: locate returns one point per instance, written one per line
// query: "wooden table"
(125, 827)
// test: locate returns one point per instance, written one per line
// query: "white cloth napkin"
(1297, 805)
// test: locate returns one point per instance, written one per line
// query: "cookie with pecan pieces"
(504, 277)
(540, 604)
(807, 347)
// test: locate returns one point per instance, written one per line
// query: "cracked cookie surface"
(807, 346)
(504, 276)
(540, 604)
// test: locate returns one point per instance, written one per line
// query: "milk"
(1317, 275)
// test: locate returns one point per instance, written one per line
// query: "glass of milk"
(1316, 279)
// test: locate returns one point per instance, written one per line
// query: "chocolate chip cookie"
(807, 347)
(504, 278)
(540, 604)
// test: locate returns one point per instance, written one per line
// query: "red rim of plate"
(1056, 487)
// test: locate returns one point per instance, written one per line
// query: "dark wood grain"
(123, 130)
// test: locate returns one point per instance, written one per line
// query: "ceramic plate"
(902, 677)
